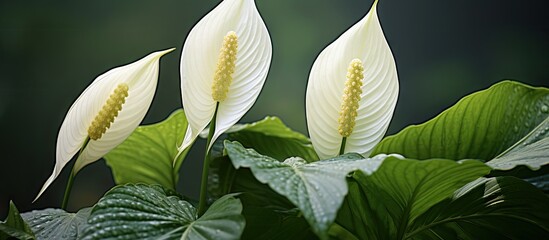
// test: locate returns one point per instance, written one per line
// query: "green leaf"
(480, 126)
(272, 138)
(138, 211)
(266, 223)
(268, 214)
(147, 155)
(57, 224)
(221, 176)
(338, 232)
(494, 208)
(531, 151)
(317, 188)
(540, 182)
(384, 204)
(14, 226)
(269, 137)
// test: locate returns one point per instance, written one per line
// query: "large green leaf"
(268, 137)
(14, 226)
(384, 204)
(531, 151)
(57, 224)
(272, 138)
(480, 126)
(494, 208)
(138, 211)
(317, 188)
(268, 214)
(147, 155)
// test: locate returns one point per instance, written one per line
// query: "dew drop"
(544, 108)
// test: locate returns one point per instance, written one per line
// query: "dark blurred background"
(51, 51)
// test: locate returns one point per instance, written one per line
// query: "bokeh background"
(50, 51)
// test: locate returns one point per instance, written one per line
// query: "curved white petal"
(199, 60)
(141, 77)
(365, 41)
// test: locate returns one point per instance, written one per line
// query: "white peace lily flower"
(224, 63)
(352, 91)
(106, 113)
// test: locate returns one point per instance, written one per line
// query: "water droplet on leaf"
(544, 108)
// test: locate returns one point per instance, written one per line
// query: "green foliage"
(269, 137)
(531, 151)
(317, 189)
(272, 138)
(139, 211)
(383, 205)
(57, 224)
(493, 208)
(394, 202)
(268, 214)
(147, 155)
(14, 226)
(541, 182)
(480, 126)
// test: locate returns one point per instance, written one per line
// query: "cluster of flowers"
(351, 94)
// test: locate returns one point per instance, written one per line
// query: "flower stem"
(342, 148)
(67, 191)
(71, 179)
(206, 167)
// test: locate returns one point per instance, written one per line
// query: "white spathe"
(141, 77)
(364, 41)
(199, 60)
